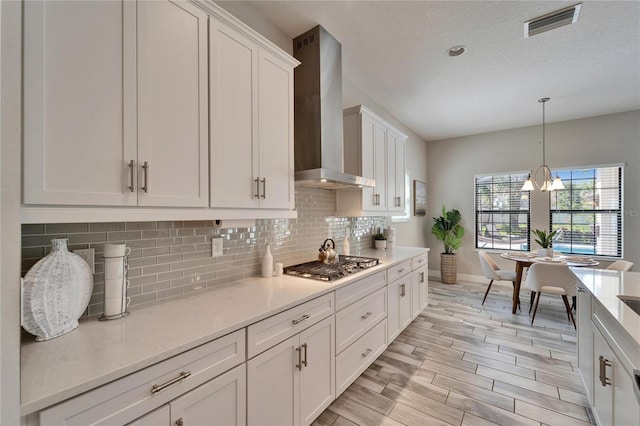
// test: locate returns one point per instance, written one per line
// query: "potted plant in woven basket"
(447, 228)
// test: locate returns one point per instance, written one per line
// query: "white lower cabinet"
(614, 401)
(221, 401)
(419, 290)
(399, 306)
(583, 351)
(293, 382)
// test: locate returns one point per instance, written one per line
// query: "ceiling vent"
(553, 20)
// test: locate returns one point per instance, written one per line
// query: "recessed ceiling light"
(457, 50)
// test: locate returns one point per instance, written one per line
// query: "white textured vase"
(57, 290)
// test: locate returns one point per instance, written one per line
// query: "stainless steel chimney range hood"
(319, 156)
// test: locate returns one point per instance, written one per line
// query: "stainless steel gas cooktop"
(318, 270)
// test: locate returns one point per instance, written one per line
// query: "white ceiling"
(396, 52)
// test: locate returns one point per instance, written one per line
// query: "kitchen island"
(609, 344)
(99, 353)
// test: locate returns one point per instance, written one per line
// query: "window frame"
(619, 212)
(526, 174)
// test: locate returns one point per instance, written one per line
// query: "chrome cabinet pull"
(604, 363)
(132, 170)
(299, 364)
(146, 168)
(180, 422)
(366, 353)
(397, 201)
(400, 270)
(421, 277)
(365, 316)
(257, 194)
(183, 375)
(264, 188)
(299, 320)
(304, 363)
(402, 293)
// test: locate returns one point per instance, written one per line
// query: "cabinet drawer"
(277, 328)
(396, 271)
(133, 396)
(354, 321)
(359, 289)
(418, 261)
(357, 357)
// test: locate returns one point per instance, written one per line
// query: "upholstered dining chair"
(621, 265)
(494, 273)
(552, 279)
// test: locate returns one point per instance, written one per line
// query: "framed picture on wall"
(419, 198)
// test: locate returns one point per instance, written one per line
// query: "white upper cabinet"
(79, 102)
(172, 104)
(375, 150)
(251, 122)
(115, 104)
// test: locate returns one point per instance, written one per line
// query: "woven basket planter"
(448, 268)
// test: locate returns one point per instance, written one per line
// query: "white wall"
(10, 89)
(453, 163)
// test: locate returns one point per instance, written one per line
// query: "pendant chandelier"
(542, 178)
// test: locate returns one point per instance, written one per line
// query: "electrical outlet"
(216, 247)
(89, 256)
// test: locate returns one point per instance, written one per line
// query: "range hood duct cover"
(319, 156)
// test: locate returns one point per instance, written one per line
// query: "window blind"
(587, 214)
(502, 212)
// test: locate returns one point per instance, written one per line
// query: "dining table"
(526, 259)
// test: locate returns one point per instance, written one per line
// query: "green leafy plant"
(447, 228)
(379, 236)
(544, 239)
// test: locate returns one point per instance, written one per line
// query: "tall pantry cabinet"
(115, 103)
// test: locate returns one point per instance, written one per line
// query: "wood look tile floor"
(461, 363)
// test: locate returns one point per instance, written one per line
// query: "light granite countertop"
(605, 286)
(99, 352)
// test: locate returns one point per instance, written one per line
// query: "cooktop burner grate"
(318, 270)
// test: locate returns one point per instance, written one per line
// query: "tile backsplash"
(173, 258)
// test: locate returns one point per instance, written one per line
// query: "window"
(502, 211)
(588, 213)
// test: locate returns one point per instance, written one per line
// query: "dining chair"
(621, 265)
(494, 273)
(552, 279)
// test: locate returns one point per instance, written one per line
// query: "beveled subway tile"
(412, 417)
(421, 403)
(518, 381)
(548, 416)
(488, 412)
(475, 392)
(557, 405)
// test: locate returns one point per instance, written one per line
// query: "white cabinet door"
(395, 172)
(158, 417)
(273, 385)
(233, 98)
(317, 373)
(172, 104)
(368, 132)
(275, 101)
(399, 309)
(602, 395)
(79, 102)
(380, 167)
(583, 324)
(221, 401)
(420, 290)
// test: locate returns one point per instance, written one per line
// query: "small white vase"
(545, 252)
(380, 244)
(57, 290)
